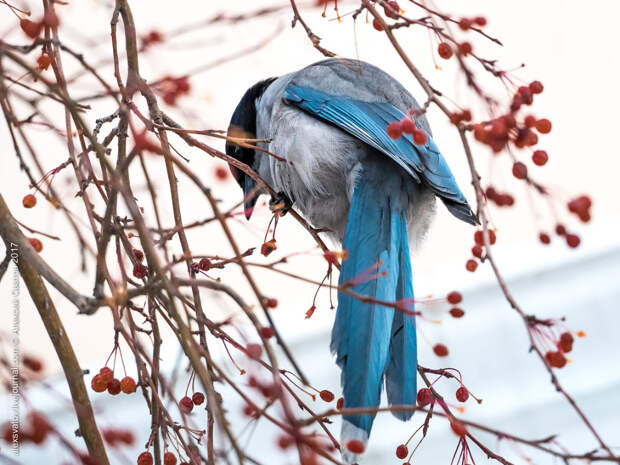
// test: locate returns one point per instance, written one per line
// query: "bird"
(375, 195)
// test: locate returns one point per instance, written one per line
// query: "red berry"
(454, 297)
(544, 238)
(285, 441)
(254, 351)
(424, 397)
(465, 23)
(128, 385)
(519, 170)
(355, 446)
(221, 173)
(29, 201)
(530, 121)
(462, 394)
(186, 405)
(402, 451)
(444, 50)
(536, 87)
(476, 251)
(465, 48)
(471, 265)
(340, 403)
(30, 28)
(266, 332)
(572, 240)
(44, 61)
(268, 247)
(138, 254)
(540, 157)
(440, 350)
(32, 363)
(106, 374)
(560, 230)
(326, 395)
(98, 384)
(114, 387)
(479, 237)
(36, 244)
(198, 398)
(394, 130)
(271, 303)
(139, 271)
(170, 458)
(480, 21)
(543, 126)
(377, 25)
(407, 125)
(145, 458)
(458, 428)
(457, 312)
(556, 359)
(566, 342)
(419, 137)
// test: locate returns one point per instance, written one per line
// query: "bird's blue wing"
(367, 121)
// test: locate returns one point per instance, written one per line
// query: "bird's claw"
(280, 204)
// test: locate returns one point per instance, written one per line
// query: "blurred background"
(567, 45)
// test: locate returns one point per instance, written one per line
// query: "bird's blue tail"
(372, 341)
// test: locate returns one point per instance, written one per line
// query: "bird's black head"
(243, 125)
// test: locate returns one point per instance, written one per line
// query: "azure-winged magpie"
(342, 170)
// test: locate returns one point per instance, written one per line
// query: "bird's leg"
(280, 204)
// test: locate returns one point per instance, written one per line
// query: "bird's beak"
(249, 195)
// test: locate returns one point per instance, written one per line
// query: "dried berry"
(98, 384)
(145, 458)
(457, 312)
(170, 458)
(36, 244)
(326, 395)
(471, 265)
(355, 446)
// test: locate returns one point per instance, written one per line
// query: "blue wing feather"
(367, 121)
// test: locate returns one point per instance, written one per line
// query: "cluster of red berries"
(498, 132)
(581, 207)
(501, 199)
(186, 404)
(117, 436)
(458, 117)
(572, 240)
(454, 298)
(172, 88)
(36, 430)
(466, 23)
(557, 358)
(478, 249)
(105, 380)
(396, 129)
(391, 10)
(146, 458)
(33, 28)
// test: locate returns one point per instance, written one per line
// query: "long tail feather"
(365, 333)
